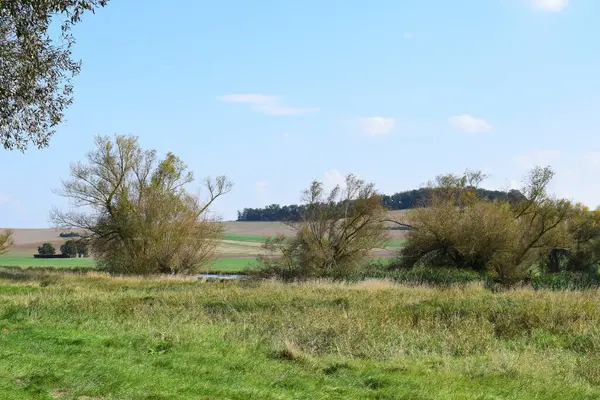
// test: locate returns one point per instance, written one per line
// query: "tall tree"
(139, 216)
(36, 69)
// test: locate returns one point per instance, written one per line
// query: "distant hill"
(398, 201)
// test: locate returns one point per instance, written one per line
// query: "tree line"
(398, 201)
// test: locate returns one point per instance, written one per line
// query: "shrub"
(334, 235)
(436, 276)
(69, 234)
(51, 256)
(503, 239)
(566, 281)
(47, 249)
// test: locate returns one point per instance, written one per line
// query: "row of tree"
(398, 201)
(70, 249)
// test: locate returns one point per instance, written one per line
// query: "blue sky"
(277, 93)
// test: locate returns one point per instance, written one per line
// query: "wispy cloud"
(5, 199)
(377, 126)
(549, 5)
(409, 35)
(469, 124)
(269, 105)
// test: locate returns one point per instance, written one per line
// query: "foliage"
(143, 220)
(6, 241)
(578, 243)
(436, 276)
(46, 249)
(139, 338)
(399, 201)
(334, 236)
(502, 238)
(51, 256)
(36, 70)
(75, 248)
(69, 234)
(566, 280)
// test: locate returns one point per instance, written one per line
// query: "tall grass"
(75, 335)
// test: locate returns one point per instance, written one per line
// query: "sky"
(275, 93)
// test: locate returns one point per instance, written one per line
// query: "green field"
(27, 260)
(232, 265)
(92, 337)
(246, 238)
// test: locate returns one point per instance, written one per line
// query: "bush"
(69, 234)
(436, 276)
(566, 281)
(47, 249)
(333, 238)
(51, 256)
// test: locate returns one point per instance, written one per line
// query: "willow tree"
(137, 212)
(6, 241)
(335, 234)
(36, 67)
(505, 238)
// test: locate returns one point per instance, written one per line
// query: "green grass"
(246, 238)
(27, 260)
(231, 265)
(395, 243)
(72, 336)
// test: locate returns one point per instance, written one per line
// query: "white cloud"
(409, 35)
(549, 5)
(469, 124)
(5, 199)
(376, 126)
(540, 158)
(592, 159)
(269, 105)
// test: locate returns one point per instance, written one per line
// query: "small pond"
(224, 276)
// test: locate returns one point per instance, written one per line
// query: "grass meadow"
(90, 336)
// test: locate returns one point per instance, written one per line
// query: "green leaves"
(35, 69)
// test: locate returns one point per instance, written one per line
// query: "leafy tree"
(335, 234)
(142, 219)
(577, 243)
(75, 248)
(69, 249)
(6, 241)
(35, 69)
(47, 249)
(504, 238)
